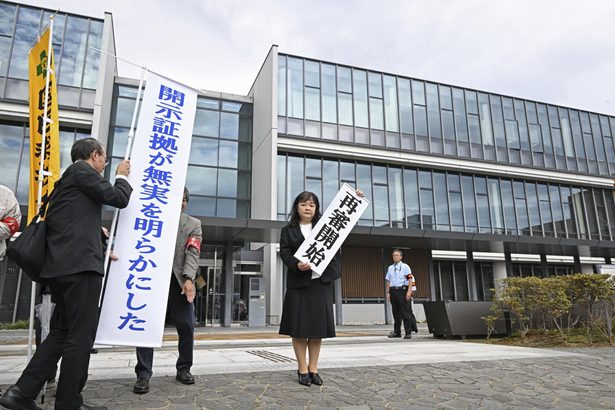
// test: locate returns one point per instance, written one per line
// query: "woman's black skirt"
(308, 312)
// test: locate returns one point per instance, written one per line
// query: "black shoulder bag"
(28, 249)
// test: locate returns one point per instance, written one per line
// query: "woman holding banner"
(307, 312)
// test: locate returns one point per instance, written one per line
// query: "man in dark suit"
(181, 296)
(73, 269)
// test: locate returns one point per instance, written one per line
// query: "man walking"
(73, 269)
(181, 296)
(400, 285)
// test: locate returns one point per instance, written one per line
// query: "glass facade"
(76, 62)
(415, 198)
(15, 155)
(219, 170)
(333, 102)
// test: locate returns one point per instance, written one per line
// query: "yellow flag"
(40, 55)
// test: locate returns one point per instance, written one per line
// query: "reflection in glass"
(206, 123)
(359, 80)
(229, 125)
(204, 151)
(202, 180)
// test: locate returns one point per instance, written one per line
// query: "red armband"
(192, 242)
(12, 223)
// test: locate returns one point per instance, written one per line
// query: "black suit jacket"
(290, 240)
(74, 220)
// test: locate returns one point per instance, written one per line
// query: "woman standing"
(307, 313)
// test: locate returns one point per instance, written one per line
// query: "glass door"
(210, 298)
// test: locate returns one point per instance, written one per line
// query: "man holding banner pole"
(180, 303)
(73, 268)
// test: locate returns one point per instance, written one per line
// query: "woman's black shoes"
(315, 379)
(304, 378)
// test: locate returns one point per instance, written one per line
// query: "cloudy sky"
(561, 52)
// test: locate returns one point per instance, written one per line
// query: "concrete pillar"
(499, 273)
(473, 292)
(544, 265)
(226, 319)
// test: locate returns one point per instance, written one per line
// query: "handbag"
(28, 249)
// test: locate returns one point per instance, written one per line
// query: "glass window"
(90, 73)
(566, 133)
(229, 125)
(558, 215)
(440, 193)
(375, 85)
(359, 79)
(203, 151)
(73, 51)
(295, 87)
(282, 85)
(461, 281)
(312, 104)
(11, 140)
(521, 208)
(575, 126)
(497, 220)
(26, 30)
(396, 199)
(482, 205)
(312, 74)
(411, 195)
(5, 47)
(485, 119)
(426, 199)
(448, 128)
(533, 209)
(460, 115)
(344, 82)
(445, 97)
(390, 103)
(508, 206)
(456, 205)
(405, 106)
(329, 110)
(227, 182)
(448, 284)
(469, 203)
(206, 123)
(545, 210)
(202, 180)
(123, 111)
(543, 119)
(226, 208)
(295, 180)
(345, 108)
(7, 18)
(376, 114)
(363, 182)
(433, 111)
(420, 120)
(281, 188)
(598, 141)
(568, 211)
(471, 104)
(201, 102)
(330, 184)
(418, 92)
(228, 154)
(522, 123)
(498, 122)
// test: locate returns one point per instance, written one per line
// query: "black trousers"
(76, 298)
(182, 313)
(402, 310)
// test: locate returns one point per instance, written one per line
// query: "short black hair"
(294, 217)
(82, 149)
(186, 194)
(397, 250)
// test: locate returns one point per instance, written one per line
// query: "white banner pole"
(131, 134)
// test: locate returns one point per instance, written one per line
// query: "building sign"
(43, 97)
(134, 308)
(332, 229)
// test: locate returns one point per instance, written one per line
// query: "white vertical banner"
(135, 302)
(329, 234)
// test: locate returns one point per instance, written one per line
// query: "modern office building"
(472, 186)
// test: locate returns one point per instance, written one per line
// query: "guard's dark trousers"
(402, 309)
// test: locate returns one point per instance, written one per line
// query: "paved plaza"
(362, 369)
